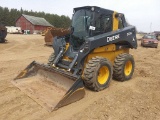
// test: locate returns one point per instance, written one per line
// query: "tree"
(9, 17)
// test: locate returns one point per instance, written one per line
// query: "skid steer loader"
(97, 49)
(3, 33)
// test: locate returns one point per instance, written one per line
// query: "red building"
(32, 24)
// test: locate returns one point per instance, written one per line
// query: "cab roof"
(95, 9)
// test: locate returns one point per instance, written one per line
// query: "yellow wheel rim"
(128, 68)
(103, 75)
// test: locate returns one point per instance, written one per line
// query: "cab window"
(120, 23)
(103, 24)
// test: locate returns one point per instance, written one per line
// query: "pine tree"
(9, 17)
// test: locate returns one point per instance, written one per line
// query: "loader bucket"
(52, 32)
(48, 87)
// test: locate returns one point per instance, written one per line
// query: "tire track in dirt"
(125, 101)
(10, 47)
(6, 46)
(36, 114)
(22, 45)
(16, 50)
(18, 106)
(13, 103)
(88, 100)
(13, 45)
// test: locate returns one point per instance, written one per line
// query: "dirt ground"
(136, 99)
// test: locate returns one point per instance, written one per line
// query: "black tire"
(123, 67)
(156, 46)
(141, 44)
(51, 59)
(97, 68)
(2, 40)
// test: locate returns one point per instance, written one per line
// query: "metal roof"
(37, 20)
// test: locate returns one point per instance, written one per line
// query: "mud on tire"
(123, 67)
(97, 73)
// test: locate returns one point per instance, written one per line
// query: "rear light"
(145, 41)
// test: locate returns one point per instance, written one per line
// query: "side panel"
(109, 52)
(126, 35)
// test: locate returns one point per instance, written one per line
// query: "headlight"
(92, 9)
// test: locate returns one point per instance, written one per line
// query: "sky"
(144, 14)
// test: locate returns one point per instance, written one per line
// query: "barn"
(32, 24)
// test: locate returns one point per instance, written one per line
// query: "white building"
(13, 30)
